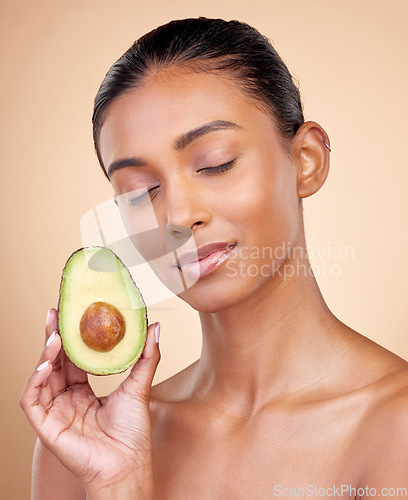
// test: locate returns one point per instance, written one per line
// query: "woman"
(285, 398)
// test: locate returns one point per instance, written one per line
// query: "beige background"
(350, 60)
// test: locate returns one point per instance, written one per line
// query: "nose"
(185, 208)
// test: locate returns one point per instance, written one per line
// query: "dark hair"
(207, 45)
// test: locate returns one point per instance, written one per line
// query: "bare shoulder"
(389, 397)
(380, 380)
(384, 432)
(383, 427)
(51, 480)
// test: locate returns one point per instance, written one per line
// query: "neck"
(272, 346)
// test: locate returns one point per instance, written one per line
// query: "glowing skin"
(283, 393)
(253, 203)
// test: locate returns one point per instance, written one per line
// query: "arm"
(51, 480)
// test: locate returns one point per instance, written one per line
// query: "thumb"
(140, 378)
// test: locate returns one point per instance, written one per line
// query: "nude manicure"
(50, 339)
(157, 332)
(43, 365)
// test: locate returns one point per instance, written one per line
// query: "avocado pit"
(102, 326)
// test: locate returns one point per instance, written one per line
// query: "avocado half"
(102, 317)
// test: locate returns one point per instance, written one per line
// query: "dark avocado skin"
(59, 302)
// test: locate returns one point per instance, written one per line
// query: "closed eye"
(218, 169)
(138, 200)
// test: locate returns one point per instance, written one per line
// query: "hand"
(102, 441)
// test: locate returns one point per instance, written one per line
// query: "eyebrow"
(181, 143)
(127, 162)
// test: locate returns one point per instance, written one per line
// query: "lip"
(205, 259)
(203, 251)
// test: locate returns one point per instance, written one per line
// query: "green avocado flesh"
(100, 306)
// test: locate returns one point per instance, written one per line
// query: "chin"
(214, 297)
(206, 305)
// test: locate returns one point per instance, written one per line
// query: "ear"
(312, 158)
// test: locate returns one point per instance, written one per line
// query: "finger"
(64, 373)
(57, 380)
(52, 346)
(140, 378)
(37, 389)
(31, 395)
(51, 323)
(74, 374)
(51, 352)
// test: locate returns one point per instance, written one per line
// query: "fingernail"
(43, 365)
(48, 316)
(157, 332)
(50, 339)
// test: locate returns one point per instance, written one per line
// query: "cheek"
(282, 215)
(264, 206)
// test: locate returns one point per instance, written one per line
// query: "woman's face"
(215, 167)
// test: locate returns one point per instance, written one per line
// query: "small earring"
(327, 146)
